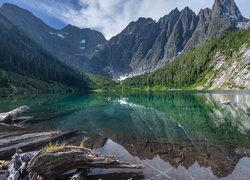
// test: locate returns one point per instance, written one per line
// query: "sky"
(109, 16)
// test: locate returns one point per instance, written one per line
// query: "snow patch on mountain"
(243, 25)
(58, 34)
(83, 41)
(61, 36)
(99, 45)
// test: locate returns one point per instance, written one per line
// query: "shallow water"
(176, 135)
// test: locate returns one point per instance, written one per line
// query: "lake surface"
(175, 134)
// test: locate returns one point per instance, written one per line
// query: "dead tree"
(12, 116)
(26, 142)
(52, 165)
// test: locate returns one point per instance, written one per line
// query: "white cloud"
(111, 16)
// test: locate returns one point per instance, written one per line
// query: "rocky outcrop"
(230, 72)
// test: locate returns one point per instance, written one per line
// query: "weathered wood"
(4, 135)
(54, 164)
(5, 128)
(34, 176)
(23, 119)
(10, 117)
(27, 142)
(18, 164)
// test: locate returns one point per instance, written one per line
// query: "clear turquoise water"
(180, 135)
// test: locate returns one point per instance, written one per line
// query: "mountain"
(146, 45)
(69, 44)
(220, 63)
(143, 46)
(25, 66)
(224, 16)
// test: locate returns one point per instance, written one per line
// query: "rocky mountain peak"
(174, 12)
(187, 14)
(136, 26)
(144, 20)
(205, 12)
(227, 8)
(187, 10)
(70, 27)
(9, 6)
(144, 45)
(6, 5)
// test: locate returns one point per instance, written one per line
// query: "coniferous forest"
(190, 69)
(25, 66)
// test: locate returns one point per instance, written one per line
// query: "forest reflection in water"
(181, 135)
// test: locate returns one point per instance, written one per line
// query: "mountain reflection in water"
(181, 135)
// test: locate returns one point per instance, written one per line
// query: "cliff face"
(230, 72)
(143, 46)
(224, 16)
(146, 45)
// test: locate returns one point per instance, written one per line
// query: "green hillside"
(189, 70)
(25, 67)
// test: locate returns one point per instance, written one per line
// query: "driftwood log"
(52, 165)
(12, 116)
(26, 142)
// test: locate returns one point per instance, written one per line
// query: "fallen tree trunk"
(27, 142)
(7, 129)
(10, 117)
(52, 165)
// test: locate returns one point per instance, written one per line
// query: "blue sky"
(109, 16)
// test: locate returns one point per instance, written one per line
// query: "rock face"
(69, 44)
(228, 8)
(230, 73)
(224, 16)
(145, 45)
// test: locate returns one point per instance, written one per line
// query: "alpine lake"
(174, 134)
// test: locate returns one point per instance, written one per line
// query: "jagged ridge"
(146, 45)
